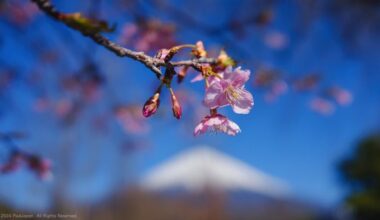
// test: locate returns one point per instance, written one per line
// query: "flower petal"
(200, 129)
(217, 123)
(198, 78)
(215, 97)
(244, 102)
(232, 128)
(237, 77)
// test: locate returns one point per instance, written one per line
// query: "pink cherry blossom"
(229, 90)
(322, 106)
(217, 123)
(341, 96)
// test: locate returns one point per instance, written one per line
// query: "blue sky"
(284, 139)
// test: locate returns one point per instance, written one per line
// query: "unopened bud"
(151, 106)
(176, 107)
(199, 50)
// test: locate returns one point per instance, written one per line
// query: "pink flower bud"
(151, 106)
(176, 107)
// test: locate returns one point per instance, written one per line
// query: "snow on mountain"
(201, 167)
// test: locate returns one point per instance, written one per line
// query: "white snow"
(204, 166)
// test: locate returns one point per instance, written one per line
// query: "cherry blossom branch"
(226, 85)
(153, 63)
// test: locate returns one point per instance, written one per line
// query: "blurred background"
(74, 141)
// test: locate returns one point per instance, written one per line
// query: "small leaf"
(86, 25)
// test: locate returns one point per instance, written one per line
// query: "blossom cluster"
(325, 102)
(274, 83)
(224, 86)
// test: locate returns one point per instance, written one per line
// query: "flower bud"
(151, 106)
(199, 50)
(176, 107)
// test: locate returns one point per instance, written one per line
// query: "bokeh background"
(76, 108)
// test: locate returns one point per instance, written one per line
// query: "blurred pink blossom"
(41, 104)
(322, 106)
(130, 119)
(341, 96)
(276, 89)
(63, 107)
(307, 83)
(19, 13)
(148, 35)
(276, 40)
(39, 165)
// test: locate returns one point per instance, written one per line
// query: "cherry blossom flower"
(229, 90)
(217, 123)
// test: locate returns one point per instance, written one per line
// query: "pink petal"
(236, 77)
(218, 123)
(243, 104)
(215, 121)
(200, 129)
(232, 128)
(215, 96)
(198, 78)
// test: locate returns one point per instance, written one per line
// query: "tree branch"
(151, 62)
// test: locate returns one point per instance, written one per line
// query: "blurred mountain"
(202, 184)
(206, 168)
(225, 186)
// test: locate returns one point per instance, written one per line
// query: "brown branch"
(151, 62)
